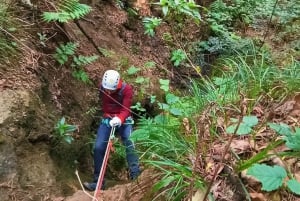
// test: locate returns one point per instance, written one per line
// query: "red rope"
(104, 164)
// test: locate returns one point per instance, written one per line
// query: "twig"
(227, 148)
(268, 25)
(31, 50)
(202, 124)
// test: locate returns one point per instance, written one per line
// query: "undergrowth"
(8, 30)
(162, 140)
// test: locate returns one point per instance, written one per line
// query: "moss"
(2, 140)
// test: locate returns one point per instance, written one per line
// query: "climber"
(116, 99)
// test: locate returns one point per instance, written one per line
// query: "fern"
(67, 10)
(81, 75)
(83, 60)
(64, 51)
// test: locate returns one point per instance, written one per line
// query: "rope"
(76, 172)
(126, 108)
(103, 167)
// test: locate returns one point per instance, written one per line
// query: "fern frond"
(67, 10)
(84, 60)
(64, 51)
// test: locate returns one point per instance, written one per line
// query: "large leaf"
(270, 177)
(245, 126)
(243, 129)
(250, 120)
(133, 70)
(282, 128)
(175, 111)
(294, 186)
(164, 84)
(171, 98)
(293, 140)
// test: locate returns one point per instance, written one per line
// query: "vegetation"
(217, 108)
(63, 131)
(241, 67)
(67, 10)
(8, 32)
(63, 52)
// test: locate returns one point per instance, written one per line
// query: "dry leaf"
(186, 125)
(258, 111)
(297, 100)
(295, 113)
(257, 197)
(240, 146)
(277, 161)
(275, 196)
(58, 199)
(252, 181)
(143, 7)
(199, 195)
(286, 108)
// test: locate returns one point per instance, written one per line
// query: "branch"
(227, 148)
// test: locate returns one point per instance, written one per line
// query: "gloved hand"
(116, 121)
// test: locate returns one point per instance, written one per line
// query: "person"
(116, 99)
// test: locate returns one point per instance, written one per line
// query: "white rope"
(76, 172)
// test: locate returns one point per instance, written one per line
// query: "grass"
(162, 141)
(8, 47)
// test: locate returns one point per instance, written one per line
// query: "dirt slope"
(36, 92)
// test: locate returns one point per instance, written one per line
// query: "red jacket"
(118, 103)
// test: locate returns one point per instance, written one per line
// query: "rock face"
(24, 166)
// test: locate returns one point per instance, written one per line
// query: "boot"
(92, 186)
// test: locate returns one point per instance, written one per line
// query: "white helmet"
(110, 80)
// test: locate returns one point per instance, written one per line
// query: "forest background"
(217, 100)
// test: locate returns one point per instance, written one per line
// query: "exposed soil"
(35, 92)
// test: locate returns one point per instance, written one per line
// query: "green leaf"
(62, 121)
(150, 64)
(243, 129)
(171, 98)
(133, 70)
(140, 135)
(293, 140)
(175, 111)
(294, 186)
(163, 106)
(245, 126)
(152, 99)
(160, 119)
(250, 120)
(231, 129)
(139, 80)
(282, 128)
(165, 10)
(68, 139)
(164, 84)
(270, 177)
(165, 182)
